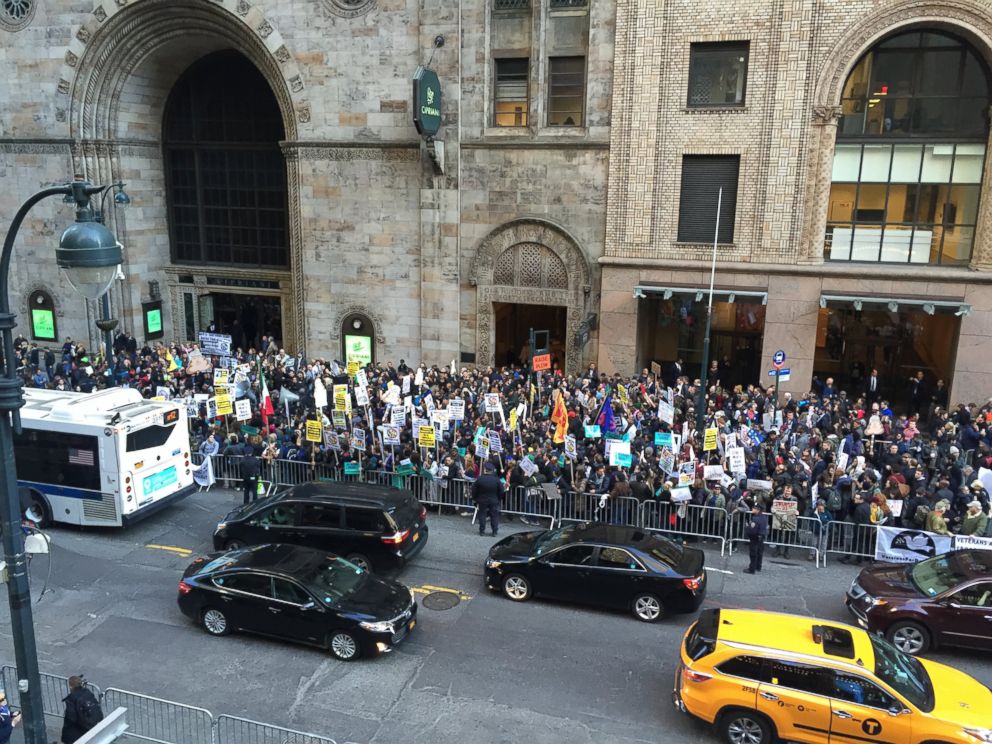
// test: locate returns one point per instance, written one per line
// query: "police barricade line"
(53, 690)
(793, 533)
(625, 511)
(234, 730)
(529, 502)
(153, 719)
(576, 506)
(847, 538)
(686, 520)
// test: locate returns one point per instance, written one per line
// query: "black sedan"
(298, 594)
(600, 564)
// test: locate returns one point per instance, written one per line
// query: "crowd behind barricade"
(611, 444)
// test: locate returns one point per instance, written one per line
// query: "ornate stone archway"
(967, 18)
(531, 262)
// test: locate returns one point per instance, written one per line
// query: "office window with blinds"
(566, 91)
(511, 95)
(702, 178)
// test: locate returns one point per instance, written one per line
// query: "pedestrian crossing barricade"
(153, 719)
(847, 538)
(675, 520)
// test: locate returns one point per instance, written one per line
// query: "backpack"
(920, 515)
(88, 712)
(834, 501)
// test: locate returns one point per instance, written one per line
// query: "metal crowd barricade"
(808, 535)
(163, 721)
(847, 538)
(53, 690)
(234, 730)
(692, 520)
(529, 501)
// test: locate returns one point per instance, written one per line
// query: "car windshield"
(553, 539)
(903, 673)
(335, 579)
(943, 572)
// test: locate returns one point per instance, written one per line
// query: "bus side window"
(59, 459)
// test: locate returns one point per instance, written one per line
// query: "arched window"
(41, 308)
(910, 153)
(225, 175)
(358, 339)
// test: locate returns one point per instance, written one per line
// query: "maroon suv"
(944, 600)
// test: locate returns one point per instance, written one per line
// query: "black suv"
(374, 527)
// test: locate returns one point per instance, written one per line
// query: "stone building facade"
(810, 263)
(432, 250)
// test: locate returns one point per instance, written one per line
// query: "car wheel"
(745, 727)
(516, 587)
(909, 637)
(344, 646)
(215, 622)
(361, 561)
(648, 608)
(234, 545)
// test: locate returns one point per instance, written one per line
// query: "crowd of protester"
(839, 455)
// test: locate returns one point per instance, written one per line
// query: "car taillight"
(423, 513)
(692, 584)
(184, 588)
(396, 538)
(692, 676)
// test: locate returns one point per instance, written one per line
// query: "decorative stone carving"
(282, 54)
(83, 34)
(349, 8)
(16, 14)
(265, 29)
(824, 115)
(296, 84)
(63, 86)
(357, 310)
(303, 113)
(242, 8)
(121, 3)
(60, 114)
(314, 153)
(100, 14)
(71, 59)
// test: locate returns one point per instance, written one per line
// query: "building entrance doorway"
(246, 318)
(851, 343)
(513, 322)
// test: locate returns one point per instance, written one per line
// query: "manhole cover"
(441, 600)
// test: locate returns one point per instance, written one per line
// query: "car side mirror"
(309, 605)
(898, 711)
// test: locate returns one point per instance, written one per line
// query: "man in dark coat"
(250, 470)
(488, 493)
(82, 711)
(756, 531)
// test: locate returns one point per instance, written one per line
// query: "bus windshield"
(150, 436)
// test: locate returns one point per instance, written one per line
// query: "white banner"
(896, 545)
(456, 409)
(681, 495)
(712, 472)
(972, 542)
(242, 409)
(397, 417)
(666, 412)
(735, 460)
(319, 394)
(204, 475)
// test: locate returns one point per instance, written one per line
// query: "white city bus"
(102, 459)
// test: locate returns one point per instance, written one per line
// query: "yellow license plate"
(416, 536)
(412, 623)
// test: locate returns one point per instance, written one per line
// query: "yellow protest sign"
(342, 400)
(315, 432)
(709, 441)
(224, 404)
(622, 392)
(425, 436)
(513, 419)
(353, 366)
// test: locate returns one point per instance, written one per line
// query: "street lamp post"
(703, 378)
(89, 254)
(107, 324)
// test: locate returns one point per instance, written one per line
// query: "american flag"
(80, 457)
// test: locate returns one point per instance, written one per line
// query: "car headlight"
(492, 563)
(221, 526)
(982, 734)
(874, 602)
(380, 627)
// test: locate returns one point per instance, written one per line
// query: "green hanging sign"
(43, 324)
(426, 102)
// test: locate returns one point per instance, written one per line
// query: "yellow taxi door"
(794, 697)
(860, 712)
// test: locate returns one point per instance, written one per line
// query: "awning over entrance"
(893, 304)
(699, 293)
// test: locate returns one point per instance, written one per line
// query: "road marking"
(429, 589)
(718, 570)
(184, 552)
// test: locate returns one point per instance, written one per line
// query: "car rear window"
(701, 639)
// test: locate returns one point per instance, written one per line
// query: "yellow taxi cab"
(760, 676)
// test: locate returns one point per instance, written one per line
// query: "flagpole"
(701, 403)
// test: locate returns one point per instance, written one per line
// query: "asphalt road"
(486, 670)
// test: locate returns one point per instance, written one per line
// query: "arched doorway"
(529, 274)
(358, 339)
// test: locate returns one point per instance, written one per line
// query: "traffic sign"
(779, 372)
(778, 359)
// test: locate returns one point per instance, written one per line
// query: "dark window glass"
(246, 582)
(617, 558)
(854, 689)
(803, 677)
(717, 73)
(978, 595)
(225, 175)
(364, 520)
(288, 591)
(281, 515)
(511, 98)
(320, 515)
(747, 667)
(574, 555)
(150, 436)
(702, 178)
(59, 459)
(566, 91)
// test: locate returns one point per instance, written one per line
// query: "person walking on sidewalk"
(82, 711)
(488, 493)
(756, 531)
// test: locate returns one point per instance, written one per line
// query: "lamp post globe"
(89, 254)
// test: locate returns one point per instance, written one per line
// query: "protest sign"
(439, 418)
(492, 403)
(753, 484)
(192, 409)
(221, 376)
(390, 434)
(681, 495)
(495, 443)
(528, 467)
(418, 379)
(895, 545)
(712, 472)
(358, 439)
(482, 449)
(242, 409)
(666, 412)
(331, 440)
(361, 379)
(392, 395)
(397, 417)
(196, 363)
(362, 396)
(666, 459)
(425, 436)
(622, 459)
(542, 362)
(163, 392)
(338, 419)
(215, 343)
(709, 440)
(617, 452)
(417, 423)
(456, 409)
(342, 400)
(663, 439)
(570, 451)
(211, 404)
(315, 432)
(735, 460)
(655, 368)
(224, 405)
(353, 366)
(591, 431)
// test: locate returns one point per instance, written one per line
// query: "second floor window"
(718, 73)
(702, 178)
(511, 97)
(566, 91)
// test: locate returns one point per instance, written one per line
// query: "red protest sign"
(542, 362)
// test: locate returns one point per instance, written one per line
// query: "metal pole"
(108, 335)
(703, 378)
(18, 589)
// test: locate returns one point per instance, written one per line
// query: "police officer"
(251, 468)
(756, 531)
(488, 493)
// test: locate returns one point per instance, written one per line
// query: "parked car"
(298, 594)
(374, 527)
(600, 564)
(941, 601)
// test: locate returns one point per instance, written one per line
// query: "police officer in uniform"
(756, 531)
(488, 494)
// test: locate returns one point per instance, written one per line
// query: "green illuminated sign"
(43, 324)
(153, 320)
(358, 348)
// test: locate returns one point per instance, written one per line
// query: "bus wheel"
(37, 510)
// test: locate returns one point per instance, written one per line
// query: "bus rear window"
(150, 436)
